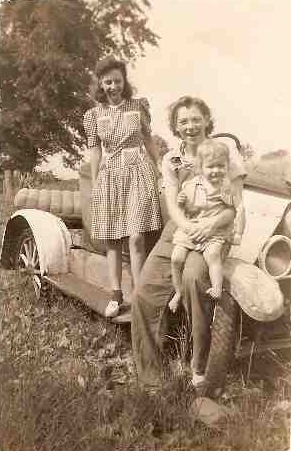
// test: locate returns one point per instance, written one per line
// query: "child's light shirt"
(202, 201)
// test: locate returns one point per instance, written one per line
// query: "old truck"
(48, 237)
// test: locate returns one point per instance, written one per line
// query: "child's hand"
(181, 198)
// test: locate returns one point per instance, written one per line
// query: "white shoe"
(197, 379)
(112, 309)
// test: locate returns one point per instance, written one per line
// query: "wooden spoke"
(24, 259)
(27, 250)
(35, 259)
(28, 261)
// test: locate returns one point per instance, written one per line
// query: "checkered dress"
(125, 198)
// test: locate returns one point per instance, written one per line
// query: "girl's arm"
(95, 160)
(93, 142)
(151, 150)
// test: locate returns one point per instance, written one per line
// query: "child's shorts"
(181, 238)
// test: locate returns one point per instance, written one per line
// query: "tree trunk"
(7, 186)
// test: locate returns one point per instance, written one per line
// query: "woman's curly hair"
(188, 101)
(102, 67)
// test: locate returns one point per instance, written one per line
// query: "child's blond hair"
(212, 148)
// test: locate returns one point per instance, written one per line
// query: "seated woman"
(190, 120)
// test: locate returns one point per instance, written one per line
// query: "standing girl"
(125, 200)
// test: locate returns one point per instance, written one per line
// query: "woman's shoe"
(112, 309)
(113, 305)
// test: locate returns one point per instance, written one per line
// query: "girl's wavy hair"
(188, 101)
(102, 67)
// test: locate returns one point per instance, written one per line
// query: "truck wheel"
(222, 347)
(26, 258)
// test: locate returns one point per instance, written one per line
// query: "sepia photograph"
(145, 225)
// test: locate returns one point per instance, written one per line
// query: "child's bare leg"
(178, 259)
(212, 256)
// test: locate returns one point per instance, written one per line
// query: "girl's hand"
(181, 198)
(155, 169)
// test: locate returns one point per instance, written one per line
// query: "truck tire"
(222, 346)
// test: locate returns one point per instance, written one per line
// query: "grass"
(67, 382)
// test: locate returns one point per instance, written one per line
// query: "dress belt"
(129, 156)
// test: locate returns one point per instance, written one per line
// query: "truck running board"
(93, 296)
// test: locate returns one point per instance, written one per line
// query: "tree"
(49, 50)
(161, 146)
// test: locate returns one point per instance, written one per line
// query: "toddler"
(204, 196)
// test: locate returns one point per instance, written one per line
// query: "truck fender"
(52, 238)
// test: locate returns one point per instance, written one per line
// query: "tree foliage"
(161, 146)
(49, 50)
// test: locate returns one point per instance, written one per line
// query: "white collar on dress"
(116, 106)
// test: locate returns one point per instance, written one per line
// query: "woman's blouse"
(118, 127)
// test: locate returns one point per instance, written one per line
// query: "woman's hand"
(202, 229)
(181, 198)
(207, 227)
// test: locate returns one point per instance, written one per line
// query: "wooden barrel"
(32, 198)
(59, 202)
(44, 199)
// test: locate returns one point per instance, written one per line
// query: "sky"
(232, 53)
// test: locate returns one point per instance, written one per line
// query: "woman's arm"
(175, 212)
(95, 159)
(207, 227)
(240, 217)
